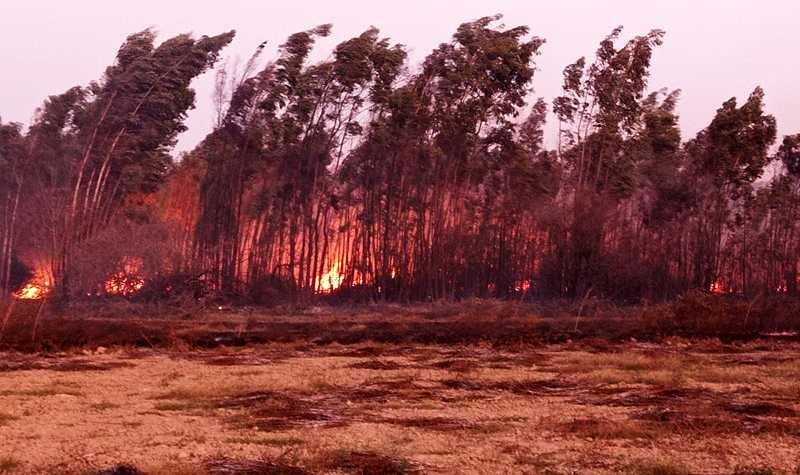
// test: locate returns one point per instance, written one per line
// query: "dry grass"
(175, 468)
(364, 462)
(53, 389)
(657, 467)
(676, 371)
(635, 362)
(196, 395)
(104, 406)
(420, 408)
(538, 463)
(266, 441)
(596, 428)
(751, 470)
(5, 418)
(501, 323)
(9, 464)
(785, 369)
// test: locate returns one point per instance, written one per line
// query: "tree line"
(366, 177)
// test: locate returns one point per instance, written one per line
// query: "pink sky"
(714, 49)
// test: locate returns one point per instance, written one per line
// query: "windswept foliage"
(368, 178)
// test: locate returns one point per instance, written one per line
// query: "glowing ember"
(331, 280)
(719, 288)
(128, 281)
(523, 286)
(123, 284)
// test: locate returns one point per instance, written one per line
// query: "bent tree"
(96, 146)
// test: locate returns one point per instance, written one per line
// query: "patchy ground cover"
(293, 408)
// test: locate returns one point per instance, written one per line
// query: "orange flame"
(37, 287)
(128, 281)
(32, 291)
(331, 280)
(717, 287)
(523, 286)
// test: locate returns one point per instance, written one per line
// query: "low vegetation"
(673, 407)
(657, 467)
(495, 322)
(8, 464)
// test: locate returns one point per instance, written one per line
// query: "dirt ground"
(592, 407)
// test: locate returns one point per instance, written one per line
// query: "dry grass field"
(594, 406)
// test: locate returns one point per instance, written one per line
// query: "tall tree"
(599, 113)
(12, 163)
(97, 146)
(727, 157)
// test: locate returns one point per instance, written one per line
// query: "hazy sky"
(714, 49)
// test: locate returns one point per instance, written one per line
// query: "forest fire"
(37, 286)
(718, 287)
(128, 281)
(123, 284)
(331, 280)
(523, 286)
(32, 291)
(433, 222)
(471, 249)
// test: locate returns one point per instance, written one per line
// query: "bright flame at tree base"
(31, 291)
(331, 280)
(128, 281)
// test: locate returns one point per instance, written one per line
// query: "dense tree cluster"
(367, 177)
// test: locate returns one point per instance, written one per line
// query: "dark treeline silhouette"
(369, 178)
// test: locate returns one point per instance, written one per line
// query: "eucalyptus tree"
(12, 163)
(773, 250)
(599, 112)
(423, 166)
(726, 158)
(269, 190)
(96, 146)
(655, 238)
(474, 89)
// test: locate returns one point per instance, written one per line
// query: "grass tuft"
(270, 442)
(6, 418)
(657, 467)
(9, 464)
(103, 406)
(750, 470)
